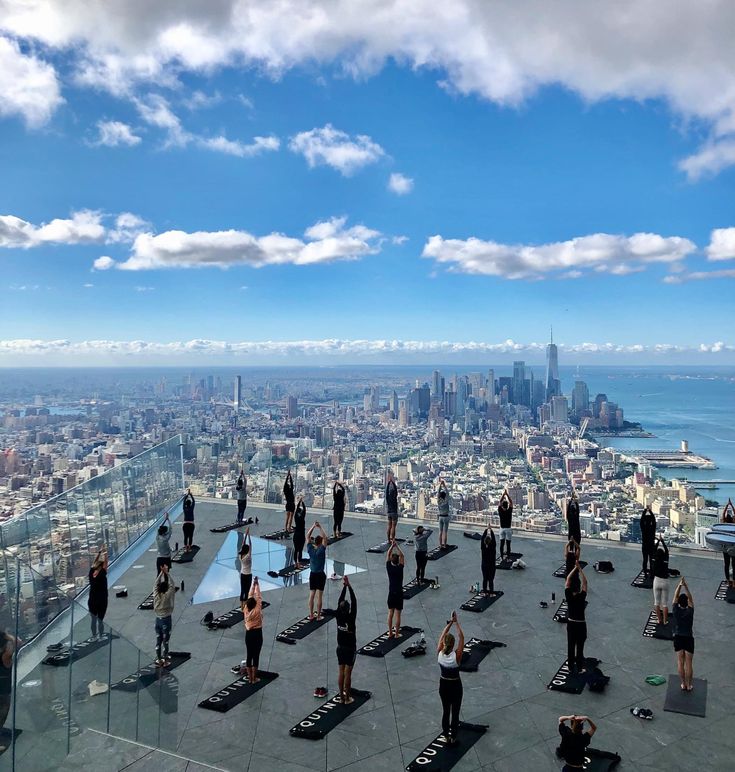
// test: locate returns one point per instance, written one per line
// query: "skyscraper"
(553, 385)
(292, 407)
(237, 398)
(437, 386)
(580, 399)
(519, 376)
(490, 384)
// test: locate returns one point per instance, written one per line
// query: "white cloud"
(680, 278)
(324, 242)
(331, 147)
(88, 285)
(144, 289)
(400, 184)
(103, 263)
(28, 86)
(116, 133)
(237, 148)
(601, 252)
(721, 244)
(714, 156)
(198, 100)
(84, 227)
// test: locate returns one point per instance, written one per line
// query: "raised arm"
(460, 637)
(584, 578)
(570, 575)
(249, 540)
(401, 556)
(689, 592)
(322, 531)
(446, 629)
(592, 725)
(311, 530)
(353, 601)
(255, 591)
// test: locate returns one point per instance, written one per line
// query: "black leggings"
(245, 581)
(241, 506)
(298, 550)
(576, 636)
(728, 560)
(488, 577)
(339, 516)
(503, 543)
(253, 644)
(188, 534)
(450, 691)
(421, 558)
(648, 548)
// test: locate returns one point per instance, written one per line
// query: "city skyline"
(414, 201)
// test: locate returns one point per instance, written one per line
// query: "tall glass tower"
(553, 385)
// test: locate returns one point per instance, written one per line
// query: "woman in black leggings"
(450, 684)
(338, 497)
(288, 500)
(252, 611)
(299, 532)
(728, 516)
(576, 595)
(188, 525)
(487, 550)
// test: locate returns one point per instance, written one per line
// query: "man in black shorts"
(394, 563)
(317, 551)
(574, 741)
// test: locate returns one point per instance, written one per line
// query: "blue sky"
(498, 182)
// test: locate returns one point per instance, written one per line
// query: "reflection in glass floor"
(222, 579)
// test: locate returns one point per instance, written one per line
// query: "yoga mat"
(596, 761)
(147, 604)
(78, 650)
(725, 592)
(413, 588)
(481, 602)
(572, 683)
(305, 626)
(474, 652)
(561, 612)
(329, 715)
(506, 564)
(440, 757)
(692, 703)
(292, 570)
(476, 535)
(654, 630)
(561, 572)
(643, 582)
(181, 556)
(438, 552)
(381, 645)
(334, 540)
(231, 618)
(143, 678)
(382, 547)
(276, 535)
(236, 692)
(229, 527)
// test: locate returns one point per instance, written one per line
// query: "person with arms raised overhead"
(505, 513)
(299, 532)
(346, 640)
(394, 563)
(188, 526)
(317, 563)
(572, 553)
(684, 634)
(289, 501)
(391, 505)
(574, 741)
(574, 529)
(728, 516)
(164, 592)
(444, 514)
(163, 544)
(98, 593)
(661, 581)
(338, 508)
(575, 593)
(252, 611)
(246, 566)
(648, 539)
(241, 493)
(420, 540)
(450, 683)
(488, 557)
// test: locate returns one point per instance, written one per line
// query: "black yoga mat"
(572, 683)
(473, 535)
(654, 630)
(326, 717)
(642, 581)
(481, 602)
(381, 645)
(334, 540)
(561, 613)
(151, 673)
(182, 556)
(80, 649)
(147, 604)
(382, 547)
(561, 572)
(229, 526)
(236, 692)
(305, 627)
(231, 618)
(474, 652)
(597, 761)
(437, 756)
(692, 703)
(414, 587)
(276, 535)
(438, 552)
(725, 592)
(505, 563)
(292, 570)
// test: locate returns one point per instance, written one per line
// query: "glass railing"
(59, 539)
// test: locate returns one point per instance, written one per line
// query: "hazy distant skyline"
(302, 181)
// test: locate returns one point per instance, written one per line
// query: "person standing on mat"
(246, 566)
(164, 592)
(444, 516)
(648, 539)
(661, 582)
(728, 516)
(289, 500)
(346, 640)
(488, 557)
(391, 505)
(299, 532)
(420, 540)
(394, 563)
(338, 508)
(571, 556)
(505, 512)
(252, 612)
(450, 684)
(241, 494)
(163, 544)
(576, 594)
(188, 526)
(97, 601)
(317, 561)
(575, 531)
(574, 741)
(684, 634)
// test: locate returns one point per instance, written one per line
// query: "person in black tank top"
(575, 593)
(338, 508)
(299, 532)
(346, 640)
(289, 501)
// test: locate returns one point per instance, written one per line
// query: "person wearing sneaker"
(346, 640)
(505, 513)
(241, 494)
(450, 684)
(394, 563)
(163, 544)
(97, 601)
(317, 562)
(246, 566)
(164, 592)
(575, 593)
(188, 526)
(252, 611)
(444, 516)
(420, 540)
(574, 741)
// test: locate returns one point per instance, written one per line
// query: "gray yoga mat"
(692, 703)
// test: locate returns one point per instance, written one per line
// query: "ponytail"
(448, 643)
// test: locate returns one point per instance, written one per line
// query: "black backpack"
(597, 680)
(207, 619)
(604, 567)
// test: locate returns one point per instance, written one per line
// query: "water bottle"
(182, 585)
(176, 548)
(553, 597)
(422, 639)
